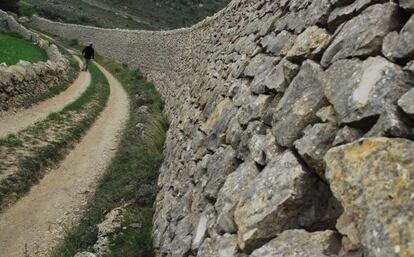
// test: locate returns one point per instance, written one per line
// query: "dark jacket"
(88, 52)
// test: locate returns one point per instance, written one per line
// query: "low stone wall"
(283, 116)
(24, 79)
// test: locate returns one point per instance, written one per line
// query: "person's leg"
(86, 64)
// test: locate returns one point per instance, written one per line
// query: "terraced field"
(13, 49)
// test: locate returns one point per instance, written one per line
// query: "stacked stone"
(291, 128)
(276, 86)
(24, 79)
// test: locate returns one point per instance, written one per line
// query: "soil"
(34, 225)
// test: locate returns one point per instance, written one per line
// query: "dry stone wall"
(291, 127)
(25, 79)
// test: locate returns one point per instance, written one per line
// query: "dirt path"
(38, 218)
(12, 122)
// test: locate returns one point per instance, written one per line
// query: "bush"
(10, 5)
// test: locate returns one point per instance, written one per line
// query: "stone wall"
(284, 124)
(25, 79)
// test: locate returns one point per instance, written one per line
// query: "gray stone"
(246, 45)
(400, 46)
(230, 193)
(219, 166)
(363, 35)
(407, 4)
(234, 133)
(372, 178)
(207, 249)
(342, 14)
(406, 102)
(263, 147)
(315, 143)
(327, 114)
(310, 13)
(260, 64)
(300, 243)
(298, 106)
(278, 44)
(254, 110)
(227, 246)
(242, 93)
(347, 135)
(253, 128)
(200, 232)
(283, 196)
(361, 90)
(277, 79)
(216, 134)
(392, 123)
(221, 246)
(85, 254)
(309, 44)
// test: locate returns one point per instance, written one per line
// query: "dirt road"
(38, 219)
(12, 122)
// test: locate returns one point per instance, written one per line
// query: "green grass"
(13, 49)
(68, 130)
(135, 164)
(26, 8)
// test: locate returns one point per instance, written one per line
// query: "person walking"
(88, 53)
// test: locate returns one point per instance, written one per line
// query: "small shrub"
(74, 42)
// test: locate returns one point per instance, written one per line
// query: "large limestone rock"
(342, 14)
(277, 79)
(361, 90)
(317, 140)
(407, 4)
(278, 44)
(219, 166)
(400, 46)
(309, 44)
(310, 13)
(406, 102)
(222, 246)
(230, 193)
(298, 107)
(374, 181)
(283, 196)
(299, 243)
(362, 35)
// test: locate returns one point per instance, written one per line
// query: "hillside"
(139, 14)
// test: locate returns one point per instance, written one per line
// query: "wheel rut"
(12, 122)
(36, 222)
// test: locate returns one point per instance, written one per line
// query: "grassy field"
(135, 165)
(13, 49)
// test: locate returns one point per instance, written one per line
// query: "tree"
(9, 5)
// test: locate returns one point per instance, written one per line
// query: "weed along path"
(12, 122)
(32, 226)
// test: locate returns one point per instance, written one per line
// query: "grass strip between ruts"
(136, 164)
(30, 169)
